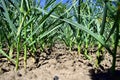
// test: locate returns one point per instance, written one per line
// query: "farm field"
(59, 40)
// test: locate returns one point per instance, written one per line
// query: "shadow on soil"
(105, 75)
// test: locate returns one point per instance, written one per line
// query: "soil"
(59, 63)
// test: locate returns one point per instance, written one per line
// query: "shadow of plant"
(104, 75)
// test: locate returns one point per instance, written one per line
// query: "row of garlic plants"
(27, 26)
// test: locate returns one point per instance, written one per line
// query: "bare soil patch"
(60, 64)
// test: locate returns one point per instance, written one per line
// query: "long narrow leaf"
(41, 22)
(6, 14)
(4, 54)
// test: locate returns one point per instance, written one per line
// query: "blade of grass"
(7, 56)
(41, 22)
(85, 29)
(6, 14)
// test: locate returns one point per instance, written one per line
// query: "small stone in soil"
(19, 74)
(56, 78)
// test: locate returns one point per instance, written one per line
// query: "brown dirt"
(60, 64)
